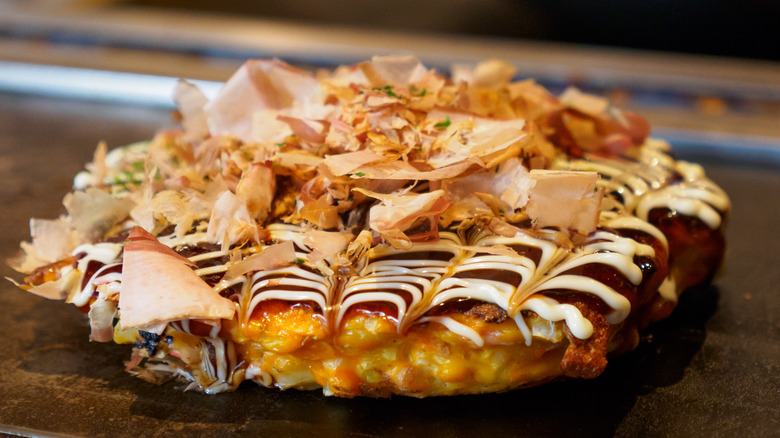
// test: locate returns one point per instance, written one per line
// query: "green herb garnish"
(441, 126)
(422, 93)
(387, 89)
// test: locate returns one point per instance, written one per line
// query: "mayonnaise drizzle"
(643, 184)
(551, 310)
(106, 254)
(414, 282)
(456, 327)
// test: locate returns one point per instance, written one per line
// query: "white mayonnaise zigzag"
(695, 196)
(444, 271)
(654, 180)
(431, 274)
(549, 274)
(400, 278)
(100, 261)
(292, 283)
(647, 183)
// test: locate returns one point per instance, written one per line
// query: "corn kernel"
(454, 370)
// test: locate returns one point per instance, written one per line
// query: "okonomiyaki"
(380, 229)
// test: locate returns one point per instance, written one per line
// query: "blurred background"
(697, 69)
(746, 29)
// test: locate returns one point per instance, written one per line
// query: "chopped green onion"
(443, 125)
(387, 89)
